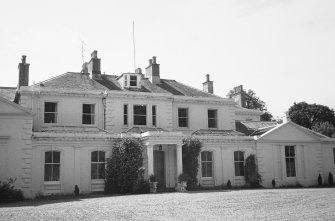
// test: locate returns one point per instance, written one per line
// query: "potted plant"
(153, 183)
(182, 182)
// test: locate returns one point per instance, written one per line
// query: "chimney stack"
(93, 66)
(208, 85)
(239, 96)
(152, 71)
(23, 72)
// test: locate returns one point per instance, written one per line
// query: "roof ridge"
(194, 88)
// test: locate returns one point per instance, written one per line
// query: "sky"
(284, 50)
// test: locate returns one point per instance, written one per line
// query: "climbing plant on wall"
(123, 166)
(191, 150)
(252, 177)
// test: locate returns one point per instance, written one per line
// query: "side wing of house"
(15, 145)
(293, 155)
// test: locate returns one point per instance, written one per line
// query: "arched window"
(206, 164)
(239, 163)
(52, 166)
(97, 165)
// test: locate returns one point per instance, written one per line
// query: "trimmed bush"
(320, 180)
(228, 184)
(252, 178)
(141, 187)
(124, 165)
(330, 179)
(8, 193)
(191, 150)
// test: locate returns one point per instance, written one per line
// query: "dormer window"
(133, 81)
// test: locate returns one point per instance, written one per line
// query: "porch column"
(150, 153)
(179, 160)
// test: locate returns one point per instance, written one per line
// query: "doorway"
(159, 167)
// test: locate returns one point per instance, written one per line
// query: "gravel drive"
(264, 204)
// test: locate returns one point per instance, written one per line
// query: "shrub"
(123, 167)
(8, 193)
(330, 179)
(142, 186)
(252, 177)
(191, 150)
(184, 177)
(229, 184)
(152, 178)
(320, 180)
(273, 183)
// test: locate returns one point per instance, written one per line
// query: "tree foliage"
(123, 167)
(8, 193)
(255, 103)
(191, 149)
(251, 175)
(313, 116)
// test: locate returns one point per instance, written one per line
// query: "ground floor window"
(290, 161)
(52, 166)
(207, 164)
(97, 165)
(239, 163)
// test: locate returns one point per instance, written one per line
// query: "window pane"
(88, 108)
(153, 110)
(211, 113)
(49, 118)
(236, 156)
(56, 157)
(133, 78)
(203, 156)
(47, 172)
(241, 156)
(209, 156)
(133, 81)
(101, 156)
(292, 154)
(125, 119)
(140, 120)
(287, 151)
(203, 169)
(241, 168)
(237, 169)
(50, 107)
(140, 109)
(182, 122)
(101, 167)
(94, 156)
(48, 157)
(88, 119)
(125, 109)
(182, 112)
(55, 175)
(209, 169)
(94, 171)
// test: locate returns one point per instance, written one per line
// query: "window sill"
(97, 181)
(51, 183)
(207, 178)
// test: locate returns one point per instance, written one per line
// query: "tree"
(251, 176)
(254, 102)
(317, 117)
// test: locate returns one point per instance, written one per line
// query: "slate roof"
(8, 93)
(217, 132)
(254, 127)
(82, 81)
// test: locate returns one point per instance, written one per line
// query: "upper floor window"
(212, 118)
(52, 166)
(133, 81)
(290, 161)
(50, 112)
(239, 163)
(140, 115)
(154, 116)
(206, 164)
(182, 117)
(125, 114)
(97, 165)
(88, 113)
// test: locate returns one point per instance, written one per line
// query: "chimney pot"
(150, 61)
(94, 54)
(152, 71)
(23, 72)
(207, 77)
(154, 59)
(23, 59)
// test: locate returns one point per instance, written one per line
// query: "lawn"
(264, 204)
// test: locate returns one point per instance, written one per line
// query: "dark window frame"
(133, 82)
(98, 166)
(239, 163)
(137, 117)
(54, 166)
(88, 118)
(207, 170)
(52, 115)
(212, 119)
(154, 115)
(125, 114)
(183, 121)
(290, 155)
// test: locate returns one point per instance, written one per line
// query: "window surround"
(133, 81)
(238, 161)
(154, 115)
(56, 113)
(44, 163)
(212, 118)
(212, 163)
(187, 118)
(146, 114)
(98, 163)
(290, 172)
(94, 114)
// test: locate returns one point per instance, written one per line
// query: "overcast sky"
(284, 50)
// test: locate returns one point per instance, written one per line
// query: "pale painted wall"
(15, 151)
(328, 161)
(75, 169)
(69, 109)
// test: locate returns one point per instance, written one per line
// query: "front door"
(159, 167)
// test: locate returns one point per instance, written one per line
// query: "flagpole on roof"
(134, 45)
